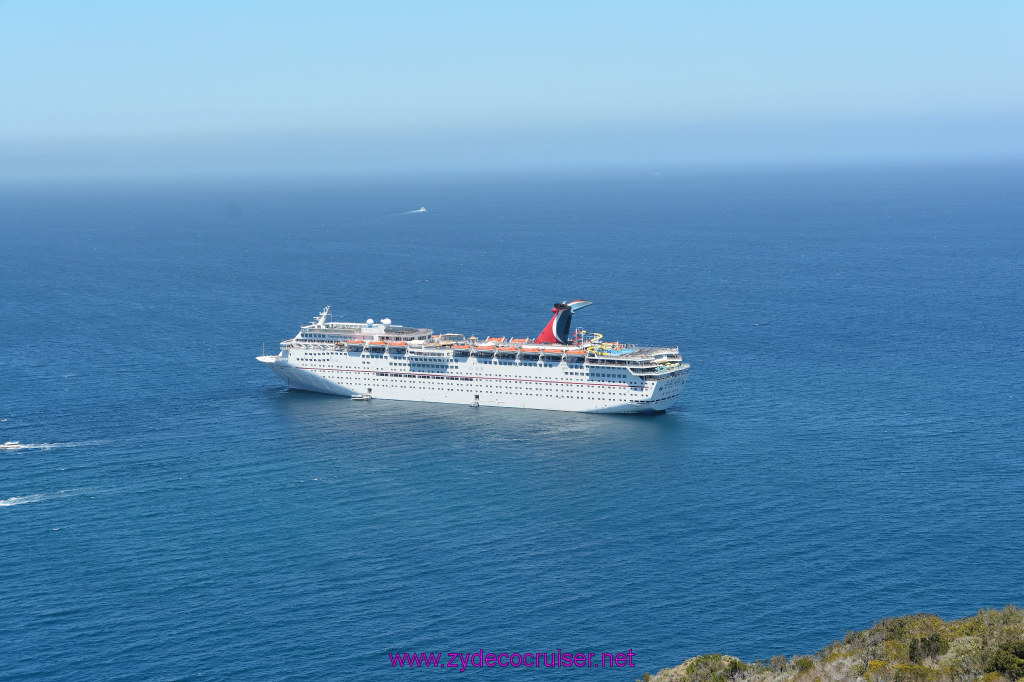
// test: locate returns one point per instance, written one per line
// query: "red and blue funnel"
(557, 330)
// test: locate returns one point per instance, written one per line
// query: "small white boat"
(361, 397)
(11, 445)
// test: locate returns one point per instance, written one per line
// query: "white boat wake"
(15, 445)
(25, 499)
(38, 497)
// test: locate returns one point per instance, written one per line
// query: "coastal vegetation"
(988, 646)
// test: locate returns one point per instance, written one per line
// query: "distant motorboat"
(361, 397)
(11, 445)
(421, 209)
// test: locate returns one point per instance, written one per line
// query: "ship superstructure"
(554, 371)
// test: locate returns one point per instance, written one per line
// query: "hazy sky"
(305, 85)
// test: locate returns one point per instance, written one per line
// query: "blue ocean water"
(849, 445)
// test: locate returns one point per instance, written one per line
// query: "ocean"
(848, 446)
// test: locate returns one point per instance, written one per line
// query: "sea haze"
(848, 446)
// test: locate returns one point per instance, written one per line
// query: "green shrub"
(894, 628)
(965, 657)
(931, 646)
(1015, 648)
(708, 668)
(895, 651)
(1004, 662)
(915, 673)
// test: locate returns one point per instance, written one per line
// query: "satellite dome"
(386, 320)
(369, 321)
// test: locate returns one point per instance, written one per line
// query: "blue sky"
(346, 86)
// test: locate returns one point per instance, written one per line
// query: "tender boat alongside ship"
(555, 371)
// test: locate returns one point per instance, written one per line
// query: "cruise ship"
(578, 372)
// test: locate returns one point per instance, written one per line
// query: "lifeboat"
(575, 352)
(508, 349)
(460, 346)
(495, 339)
(397, 344)
(526, 340)
(485, 350)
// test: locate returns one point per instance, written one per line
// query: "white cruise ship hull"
(546, 388)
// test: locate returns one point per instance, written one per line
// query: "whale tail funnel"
(557, 330)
